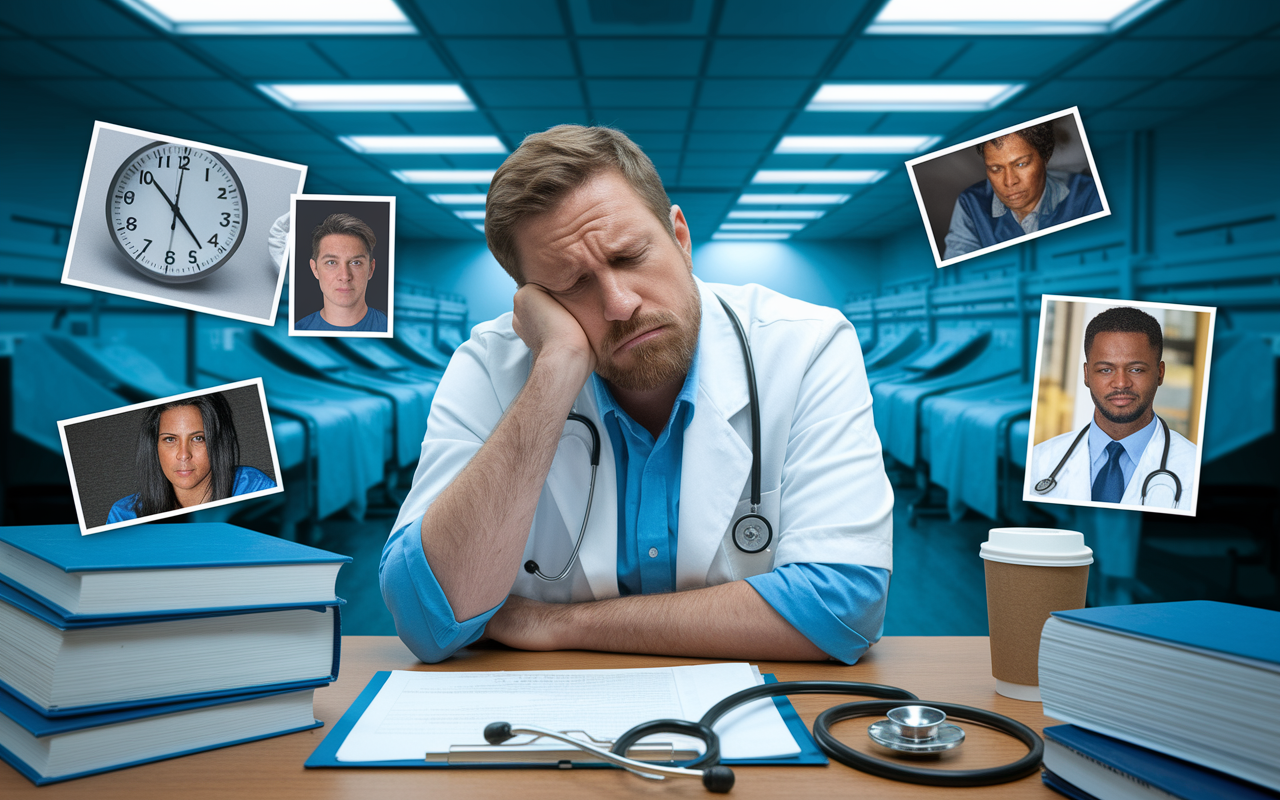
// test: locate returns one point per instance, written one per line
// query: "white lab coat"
(1073, 478)
(824, 488)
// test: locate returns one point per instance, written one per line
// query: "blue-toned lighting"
(751, 236)
(818, 176)
(470, 214)
(369, 96)
(424, 144)
(912, 96)
(457, 199)
(761, 226)
(792, 199)
(288, 17)
(444, 175)
(479, 227)
(776, 214)
(856, 144)
(1015, 17)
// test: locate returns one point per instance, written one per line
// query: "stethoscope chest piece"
(916, 730)
(1046, 485)
(752, 533)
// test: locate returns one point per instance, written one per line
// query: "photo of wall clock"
(176, 212)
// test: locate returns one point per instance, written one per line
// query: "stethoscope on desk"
(913, 729)
(752, 533)
(1045, 486)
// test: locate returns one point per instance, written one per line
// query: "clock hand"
(177, 198)
(177, 213)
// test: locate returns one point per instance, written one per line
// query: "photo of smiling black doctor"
(1119, 405)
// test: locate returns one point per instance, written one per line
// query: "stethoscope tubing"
(1045, 486)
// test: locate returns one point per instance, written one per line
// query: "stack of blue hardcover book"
(157, 641)
(1164, 700)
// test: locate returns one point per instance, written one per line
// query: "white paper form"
(416, 713)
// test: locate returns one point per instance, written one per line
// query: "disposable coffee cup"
(1031, 572)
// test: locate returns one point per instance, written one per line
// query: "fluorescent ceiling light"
(815, 214)
(470, 214)
(751, 236)
(479, 227)
(1007, 17)
(369, 96)
(457, 199)
(792, 199)
(912, 96)
(818, 176)
(762, 226)
(424, 144)
(444, 175)
(856, 144)
(239, 17)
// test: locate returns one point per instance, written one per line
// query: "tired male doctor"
(1130, 456)
(610, 324)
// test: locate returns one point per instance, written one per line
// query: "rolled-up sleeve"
(424, 619)
(838, 607)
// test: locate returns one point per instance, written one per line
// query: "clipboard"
(326, 754)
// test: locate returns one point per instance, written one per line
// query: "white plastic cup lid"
(1036, 547)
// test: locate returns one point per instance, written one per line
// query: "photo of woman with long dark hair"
(187, 456)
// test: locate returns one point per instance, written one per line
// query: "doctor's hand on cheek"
(552, 333)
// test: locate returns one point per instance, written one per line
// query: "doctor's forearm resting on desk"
(474, 534)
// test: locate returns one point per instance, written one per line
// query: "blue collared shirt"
(963, 237)
(838, 607)
(1134, 445)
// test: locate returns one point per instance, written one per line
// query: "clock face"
(176, 212)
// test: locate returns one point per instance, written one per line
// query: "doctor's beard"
(659, 361)
(1126, 417)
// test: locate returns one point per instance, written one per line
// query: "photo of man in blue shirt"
(342, 261)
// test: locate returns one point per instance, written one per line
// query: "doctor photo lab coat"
(824, 489)
(1073, 479)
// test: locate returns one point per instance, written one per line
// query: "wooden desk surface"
(944, 669)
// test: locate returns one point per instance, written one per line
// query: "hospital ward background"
(1178, 106)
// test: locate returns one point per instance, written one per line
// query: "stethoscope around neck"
(1045, 486)
(752, 533)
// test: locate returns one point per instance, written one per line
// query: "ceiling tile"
(721, 159)
(201, 93)
(641, 94)
(358, 123)
(72, 18)
(30, 59)
(303, 145)
(1249, 60)
(781, 58)
(164, 121)
(97, 94)
(493, 17)
(512, 58)
(527, 93)
(384, 57)
(737, 120)
(642, 119)
(898, 57)
(631, 18)
(650, 141)
(1219, 18)
(751, 142)
(834, 123)
(1146, 58)
(1130, 120)
(461, 123)
(136, 58)
(753, 93)
(909, 123)
(800, 17)
(1185, 93)
(243, 121)
(267, 57)
(714, 176)
(528, 120)
(1090, 94)
(647, 58)
(1014, 58)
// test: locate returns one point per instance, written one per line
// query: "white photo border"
(391, 264)
(271, 441)
(938, 260)
(1028, 494)
(99, 126)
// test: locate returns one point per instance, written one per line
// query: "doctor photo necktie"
(1108, 487)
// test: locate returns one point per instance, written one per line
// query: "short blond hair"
(548, 166)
